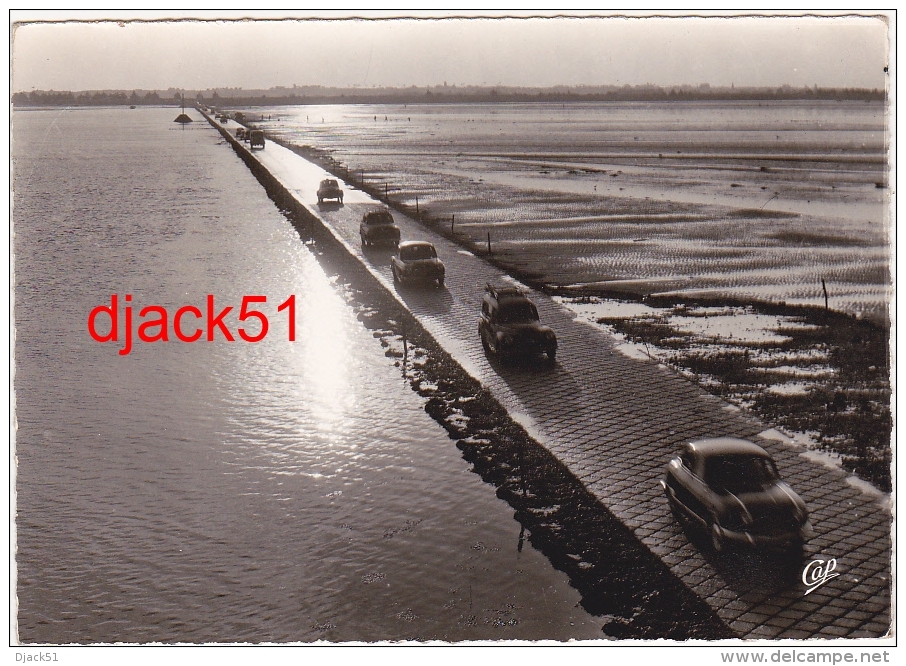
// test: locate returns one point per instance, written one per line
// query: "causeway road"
(616, 421)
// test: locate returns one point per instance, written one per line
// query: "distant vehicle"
(417, 260)
(378, 228)
(731, 488)
(329, 189)
(240, 133)
(509, 325)
(256, 138)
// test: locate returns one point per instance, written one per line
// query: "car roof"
(507, 301)
(510, 298)
(727, 446)
(415, 243)
(501, 294)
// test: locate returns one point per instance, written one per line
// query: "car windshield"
(517, 312)
(740, 473)
(328, 183)
(378, 218)
(413, 252)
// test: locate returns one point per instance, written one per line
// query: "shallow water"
(750, 200)
(228, 491)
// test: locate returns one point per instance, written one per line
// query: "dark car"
(378, 228)
(731, 488)
(329, 189)
(240, 133)
(509, 325)
(256, 138)
(417, 260)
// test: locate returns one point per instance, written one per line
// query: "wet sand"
(744, 201)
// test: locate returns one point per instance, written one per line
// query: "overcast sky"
(828, 52)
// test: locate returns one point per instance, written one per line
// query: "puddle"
(741, 328)
(609, 309)
(736, 324)
(790, 371)
(793, 388)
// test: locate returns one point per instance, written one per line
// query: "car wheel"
(396, 275)
(795, 553)
(552, 356)
(484, 340)
(440, 282)
(320, 200)
(718, 543)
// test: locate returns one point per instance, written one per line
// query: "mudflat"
(772, 210)
(749, 200)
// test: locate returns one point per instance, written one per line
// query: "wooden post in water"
(386, 196)
(824, 287)
(452, 222)
(489, 243)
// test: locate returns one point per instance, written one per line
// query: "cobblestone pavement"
(616, 421)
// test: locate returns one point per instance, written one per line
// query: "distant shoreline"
(316, 95)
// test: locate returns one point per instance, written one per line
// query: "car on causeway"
(378, 228)
(730, 488)
(417, 261)
(509, 325)
(256, 138)
(329, 189)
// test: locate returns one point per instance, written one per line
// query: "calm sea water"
(760, 126)
(216, 491)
